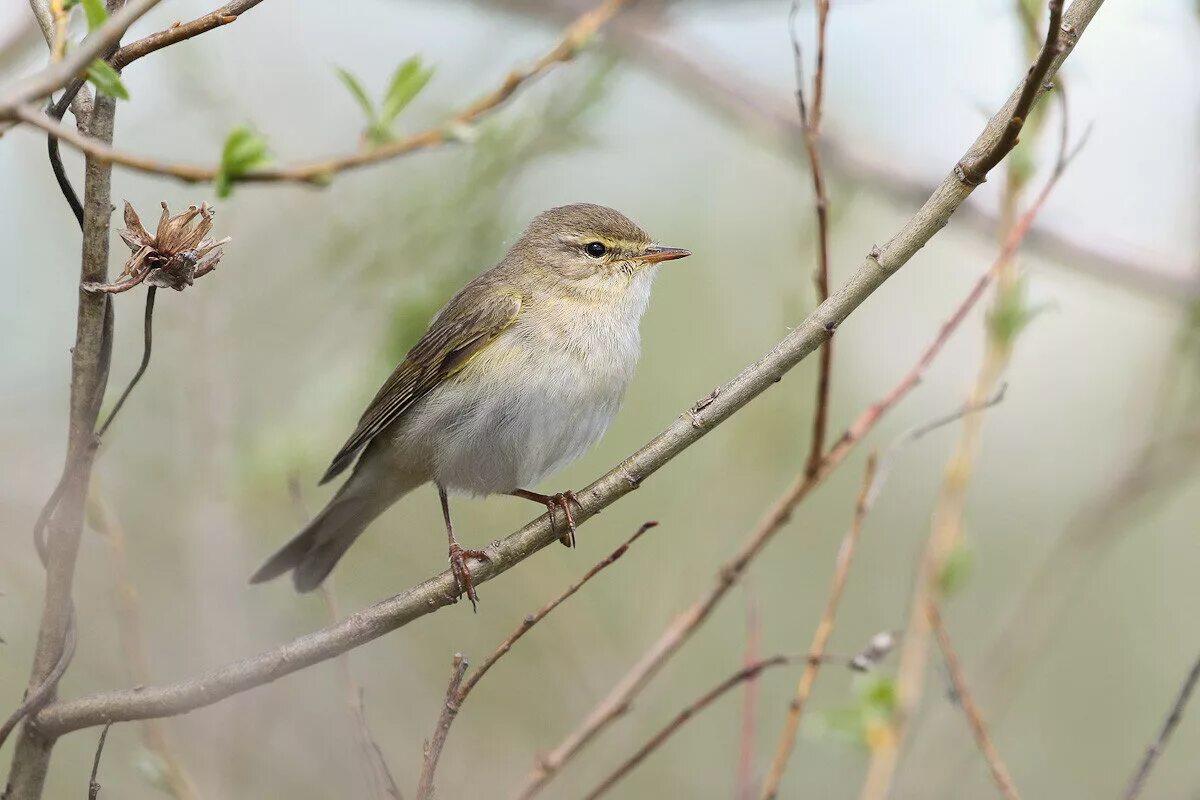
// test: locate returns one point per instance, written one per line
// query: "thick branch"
(89, 374)
(438, 591)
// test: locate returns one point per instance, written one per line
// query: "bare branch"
(685, 431)
(810, 121)
(93, 783)
(841, 572)
(745, 787)
(177, 33)
(1155, 750)
(320, 172)
(40, 85)
(746, 673)
(974, 170)
(433, 748)
(999, 772)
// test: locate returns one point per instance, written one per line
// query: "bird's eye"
(596, 249)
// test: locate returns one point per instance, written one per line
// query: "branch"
(746, 673)
(810, 121)
(438, 591)
(745, 788)
(42, 84)
(93, 782)
(320, 172)
(787, 740)
(703, 74)
(433, 748)
(974, 170)
(1155, 750)
(915, 641)
(915, 232)
(177, 33)
(89, 374)
(469, 684)
(982, 738)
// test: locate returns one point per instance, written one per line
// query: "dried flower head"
(173, 257)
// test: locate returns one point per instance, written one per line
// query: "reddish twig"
(322, 171)
(810, 121)
(915, 645)
(747, 673)
(979, 729)
(179, 32)
(746, 746)
(433, 748)
(841, 572)
(1155, 750)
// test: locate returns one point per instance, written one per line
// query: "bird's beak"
(655, 253)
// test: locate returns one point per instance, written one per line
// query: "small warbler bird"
(517, 376)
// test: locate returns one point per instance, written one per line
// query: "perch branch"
(438, 591)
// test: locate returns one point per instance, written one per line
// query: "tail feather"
(313, 552)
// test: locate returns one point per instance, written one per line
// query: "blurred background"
(682, 117)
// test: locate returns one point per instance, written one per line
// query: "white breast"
(536, 399)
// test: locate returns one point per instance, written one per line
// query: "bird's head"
(591, 246)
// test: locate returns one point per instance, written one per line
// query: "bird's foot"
(563, 500)
(462, 573)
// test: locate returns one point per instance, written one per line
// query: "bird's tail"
(313, 552)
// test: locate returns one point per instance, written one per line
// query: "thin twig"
(1164, 735)
(746, 788)
(746, 673)
(147, 343)
(810, 121)
(535, 618)
(41, 84)
(133, 646)
(966, 699)
(820, 640)
(93, 783)
(440, 590)
(383, 783)
(179, 32)
(321, 171)
(433, 748)
(526, 624)
(973, 171)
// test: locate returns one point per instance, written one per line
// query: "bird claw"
(563, 500)
(462, 573)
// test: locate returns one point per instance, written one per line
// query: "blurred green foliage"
(407, 82)
(244, 150)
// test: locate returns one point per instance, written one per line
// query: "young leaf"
(106, 79)
(410, 78)
(96, 13)
(359, 93)
(244, 150)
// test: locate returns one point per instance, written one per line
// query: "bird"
(519, 374)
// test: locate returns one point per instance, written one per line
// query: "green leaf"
(1011, 313)
(244, 150)
(106, 79)
(410, 78)
(358, 92)
(956, 569)
(96, 13)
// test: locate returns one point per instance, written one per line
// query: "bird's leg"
(561, 500)
(459, 556)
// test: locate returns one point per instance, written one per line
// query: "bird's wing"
(468, 324)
